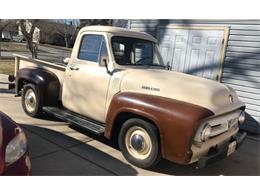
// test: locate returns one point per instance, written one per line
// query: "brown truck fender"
(46, 82)
(176, 121)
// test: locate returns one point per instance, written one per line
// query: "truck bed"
(26, 62)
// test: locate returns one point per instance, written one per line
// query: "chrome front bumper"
(219, 152)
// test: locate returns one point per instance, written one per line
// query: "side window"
(90, 47)
(103, 51)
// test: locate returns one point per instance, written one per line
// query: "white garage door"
(193, 51)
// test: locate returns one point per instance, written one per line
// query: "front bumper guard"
(220, 152)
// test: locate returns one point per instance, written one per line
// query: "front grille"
(223, 123)
(219, 124)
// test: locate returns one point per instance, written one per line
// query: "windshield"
(138, 52)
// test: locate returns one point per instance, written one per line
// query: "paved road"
(57, 149)
(46, 52)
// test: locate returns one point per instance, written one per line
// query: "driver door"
(86, 84)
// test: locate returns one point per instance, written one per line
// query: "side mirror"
(103, 62)
(66, 60)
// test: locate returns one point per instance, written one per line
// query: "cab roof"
(119, 31)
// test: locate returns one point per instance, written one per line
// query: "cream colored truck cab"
(115, 84)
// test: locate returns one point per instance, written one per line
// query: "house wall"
(241, 66)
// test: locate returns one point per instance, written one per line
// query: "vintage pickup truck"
(115, 84)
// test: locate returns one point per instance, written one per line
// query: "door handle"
(74, 68)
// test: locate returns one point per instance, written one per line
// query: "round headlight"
(242, 118)
(205, 133)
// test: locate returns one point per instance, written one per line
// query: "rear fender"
(46, 82)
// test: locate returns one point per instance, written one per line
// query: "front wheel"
(138, 141)
(31, 101)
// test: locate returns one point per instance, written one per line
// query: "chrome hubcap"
(30, 100)
(138, 142)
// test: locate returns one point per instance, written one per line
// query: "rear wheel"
(31, 100)
(138, 141)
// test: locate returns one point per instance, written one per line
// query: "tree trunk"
(35, 50)
(67, 40)
(33, 47)
(1, 31)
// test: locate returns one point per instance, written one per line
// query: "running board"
(76, 119)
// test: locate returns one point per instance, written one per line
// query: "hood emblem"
(231, 99)
(150, 88)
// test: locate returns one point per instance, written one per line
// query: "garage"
(227, 51)
(198, 51)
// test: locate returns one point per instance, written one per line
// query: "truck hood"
(209, 94)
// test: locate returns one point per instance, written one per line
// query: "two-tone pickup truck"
(115, 84)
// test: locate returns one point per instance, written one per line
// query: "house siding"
(241, 67)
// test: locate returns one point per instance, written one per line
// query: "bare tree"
(47, 29)
(3, 25)
(27, 28)
(88, 22)
(66, 29)
(12, 29)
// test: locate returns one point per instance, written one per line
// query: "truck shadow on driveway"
(245, 161)
(54, 153)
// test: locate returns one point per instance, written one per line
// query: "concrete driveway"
(57, 149)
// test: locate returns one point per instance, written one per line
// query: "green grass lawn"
(7, 66)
